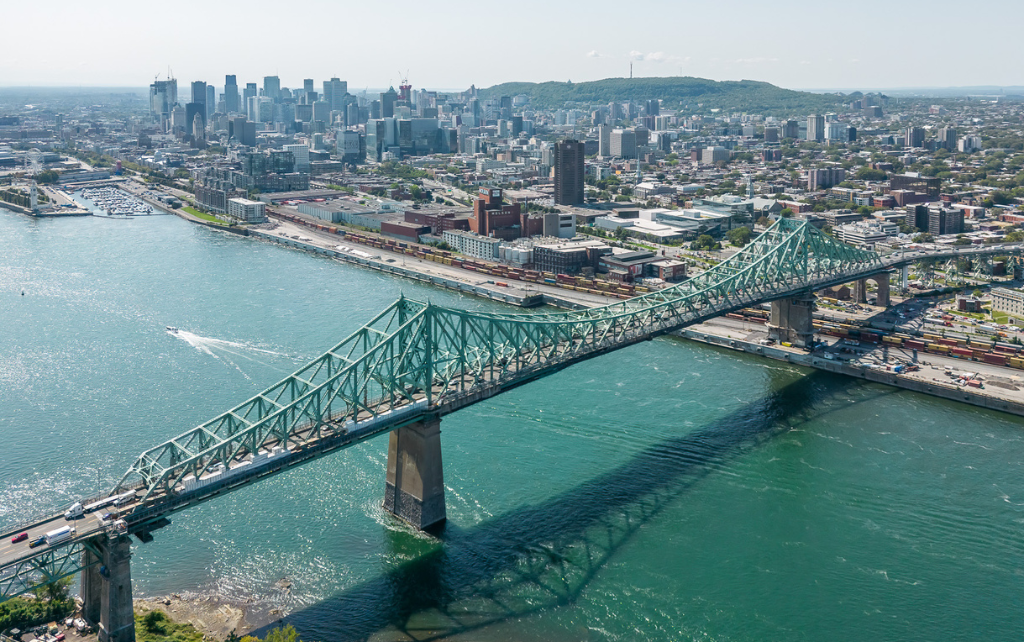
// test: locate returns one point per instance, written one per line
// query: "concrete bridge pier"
(415, 479)
(791, 320)
(860, 290)
(905, 278)
(107, 589)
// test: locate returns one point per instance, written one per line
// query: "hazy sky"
(455, 43)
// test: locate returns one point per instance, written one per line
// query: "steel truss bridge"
(416, 360)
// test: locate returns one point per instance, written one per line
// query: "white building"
(301, 153)
(247, 211)
(472, 244)
(1009, 301)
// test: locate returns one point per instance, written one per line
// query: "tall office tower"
(913, 137)
(231, 103)
(198, 128)
(163, 96)
(250, 91)
(623, 143)
(198, 93)
(604, 141)
(771, 134)
(653, 107)
(569, 161)
(387, 103)
(505, 108)
(322, 111)
(211, 101)
(352, 114)
(301, 153)
(307, 85)
(272, 87)
(192, 110)
(335, 92)
(791, 129)
(816, 128)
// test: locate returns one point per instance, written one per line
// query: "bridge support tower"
(415, 480)
(860, 290)
(791, 320)
(107, 589)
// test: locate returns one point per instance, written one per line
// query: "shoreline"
(935, 388)
(215, 616)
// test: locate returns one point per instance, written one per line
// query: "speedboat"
(171, 329)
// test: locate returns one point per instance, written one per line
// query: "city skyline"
(561, 43)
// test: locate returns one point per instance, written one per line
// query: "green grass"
(206, 217)
(155, 626)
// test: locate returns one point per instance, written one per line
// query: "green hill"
(695, 94)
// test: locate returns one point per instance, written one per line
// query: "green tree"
(865, 173)
(705, 242)
(739, 236)
(1016, 236)
(786, 212)
(47, 177)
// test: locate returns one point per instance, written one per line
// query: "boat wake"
(228, 351)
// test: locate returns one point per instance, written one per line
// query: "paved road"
(85, 526)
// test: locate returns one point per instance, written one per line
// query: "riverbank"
(919, 381)
(213, 616)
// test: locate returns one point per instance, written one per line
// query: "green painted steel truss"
(414, 351)
(46, 567)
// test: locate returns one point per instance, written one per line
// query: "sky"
(869, 44)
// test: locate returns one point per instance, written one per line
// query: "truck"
(59, 535)
(74, 512)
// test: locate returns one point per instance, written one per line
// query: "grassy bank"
(206, 217)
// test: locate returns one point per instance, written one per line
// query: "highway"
(86, 526)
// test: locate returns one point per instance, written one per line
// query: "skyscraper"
(211, 101)
(913, 137)
(623, 143)
(947, 138)
(272, 87)
(231, 103)
(387, 103)
(569, 162)
(816, 128)
(604, 141)
(198, 93)
(163, 95)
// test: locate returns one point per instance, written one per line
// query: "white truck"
(75, 511)
(59, 535)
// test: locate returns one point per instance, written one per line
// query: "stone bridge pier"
(860, 290)
(791, 320)
(415, 479)
(107, 588)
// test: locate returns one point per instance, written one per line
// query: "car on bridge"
(39, 541)
(19, 538)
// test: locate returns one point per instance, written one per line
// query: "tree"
(739, 236)
(764, 221)
(925, 237)
(47, 177)
(962, 240)
(1016, 236)
(786, 212)
(865, 173)
(705, 242)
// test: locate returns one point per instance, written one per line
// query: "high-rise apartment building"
(569, 166)
(947, 138)
(816, 128)
(604, 141)
(913, 137)
(791, 129)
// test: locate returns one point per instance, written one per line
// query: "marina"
(111, 202)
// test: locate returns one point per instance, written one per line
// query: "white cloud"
(636, 55)
(594, 53)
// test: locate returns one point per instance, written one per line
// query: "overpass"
(400, 373)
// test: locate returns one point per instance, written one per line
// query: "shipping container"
(994, 359)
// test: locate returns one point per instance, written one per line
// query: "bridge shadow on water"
(540, 557)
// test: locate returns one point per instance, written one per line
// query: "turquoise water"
(667, 491)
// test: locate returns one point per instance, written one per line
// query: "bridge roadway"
(295, 421)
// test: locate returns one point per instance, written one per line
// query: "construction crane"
(404, 89)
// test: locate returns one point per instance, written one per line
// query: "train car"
(962, 353)
(1016, 362)
(994, 359)
(891, 340)
(937, 348)
(914, 344)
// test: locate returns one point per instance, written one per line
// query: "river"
(668, 491)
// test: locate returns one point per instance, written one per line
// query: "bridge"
(400, 373)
